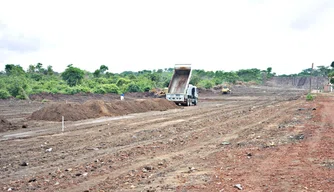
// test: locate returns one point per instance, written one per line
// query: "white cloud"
(287, 35)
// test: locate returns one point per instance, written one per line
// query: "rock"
(32, 180)
(25, 125)
(10, 189)
(160, 163)
(69, 169)
(84, 174)
(149, 168)
(249, 154)
(191, 169)
(57, 183)
(314, 109)
(299, 137)
(78, 174)
(238, 186)
(49, 150)
(24, 164)
(225, 143)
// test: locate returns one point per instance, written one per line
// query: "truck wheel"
(195, 102)
(188, 102)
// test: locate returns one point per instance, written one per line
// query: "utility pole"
(311, 78)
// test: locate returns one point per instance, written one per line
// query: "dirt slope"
(99, 108)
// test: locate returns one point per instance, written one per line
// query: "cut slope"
(99, 108)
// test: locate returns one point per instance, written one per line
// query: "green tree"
(12, 69)
(72, 75)
(195, 79)
(103, 69)
(269, 69)
(331, 77)
(49, 70)
(230, 77)
(31, 69)
(206, 83)
(97, 73)
(332, 65)
(39, 68)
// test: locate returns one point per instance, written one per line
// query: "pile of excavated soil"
(99, 108)
(5, 125)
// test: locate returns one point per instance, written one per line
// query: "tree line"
(19, 83)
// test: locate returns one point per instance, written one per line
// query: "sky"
(132, 35)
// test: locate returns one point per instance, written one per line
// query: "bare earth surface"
(264, 139)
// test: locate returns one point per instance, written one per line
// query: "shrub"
(122, 81)
(207, 84)
(111, 88)
(107, 88)
(4, 94)
(309, 97)
(133, 88)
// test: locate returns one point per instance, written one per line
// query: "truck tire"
(195, 102)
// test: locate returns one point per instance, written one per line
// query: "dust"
(99, 108)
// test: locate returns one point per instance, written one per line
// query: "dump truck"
(179, 89)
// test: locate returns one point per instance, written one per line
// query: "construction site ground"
(255, 139)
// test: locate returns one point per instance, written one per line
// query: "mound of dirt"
(99, 108)
(5, 125)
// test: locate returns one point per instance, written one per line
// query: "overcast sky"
(287, 35)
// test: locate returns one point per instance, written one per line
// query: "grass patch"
(309, 97)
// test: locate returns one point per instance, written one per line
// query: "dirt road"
(269, 140)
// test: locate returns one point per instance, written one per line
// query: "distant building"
(328, 87)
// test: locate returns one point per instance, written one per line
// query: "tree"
(49, 70)
(103, 69)
(12, 69)
(323, 71)
(72, 75)
(31, 69)
(331, 77)
(332, 65)
(269, 69)
(97, 73)
(39, 68)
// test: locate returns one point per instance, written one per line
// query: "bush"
(309, 97)
(4, 94)
(133, 88)
(207, 84)
(111, 88)
(18, 87)
(72, 90)
(108, 88)
(76, 89)
(122, 81)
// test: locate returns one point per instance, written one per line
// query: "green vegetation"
(19, 83)
(309, 97)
